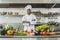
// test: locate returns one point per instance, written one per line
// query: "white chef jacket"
(29, 18)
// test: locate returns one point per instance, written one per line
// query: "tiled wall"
(22, 11)
(10, 19)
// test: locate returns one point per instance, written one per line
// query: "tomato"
(31, 31)
(43, 33)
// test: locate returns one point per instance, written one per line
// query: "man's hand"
(33, 20)
(26, 22)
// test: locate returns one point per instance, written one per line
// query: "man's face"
(28, 11)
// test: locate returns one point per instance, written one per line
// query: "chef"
(28, 21)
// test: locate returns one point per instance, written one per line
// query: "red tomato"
(41, 33)
(44, 33)
(31, 31)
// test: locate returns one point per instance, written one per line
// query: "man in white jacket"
(29, 20)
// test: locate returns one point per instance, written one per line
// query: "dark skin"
(28, 12)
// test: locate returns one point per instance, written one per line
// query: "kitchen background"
(17, 6)
(16, 21)
(21, 11)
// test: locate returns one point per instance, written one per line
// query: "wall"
(22, 11)
(11, 19)
(26, 1)
(30, 1)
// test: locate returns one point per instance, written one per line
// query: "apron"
(29, 27)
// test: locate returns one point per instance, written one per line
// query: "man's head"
(28, 11)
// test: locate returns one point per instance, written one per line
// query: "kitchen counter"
(51, 36)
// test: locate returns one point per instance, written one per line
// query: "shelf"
(49, 14)
(11, 15)
(34, 5)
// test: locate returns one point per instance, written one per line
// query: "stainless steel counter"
(51, 36)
